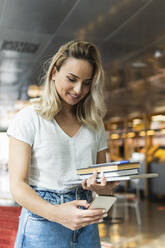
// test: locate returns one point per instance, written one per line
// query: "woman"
(49, 140)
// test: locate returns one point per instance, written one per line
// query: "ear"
(53, 72)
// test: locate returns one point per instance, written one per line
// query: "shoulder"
(27, 112)
(25, 117)
(23, 125)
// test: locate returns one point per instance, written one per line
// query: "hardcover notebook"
(111, 166)
(113, 171)
(118, 178)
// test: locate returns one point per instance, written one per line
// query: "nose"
(78, 88)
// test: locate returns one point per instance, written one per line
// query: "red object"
(161, 208)
(9, 217)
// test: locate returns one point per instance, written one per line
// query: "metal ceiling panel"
(11, 35)
(101, 19)
(142, 32)
(127, 32)
(85, 19)
(79, 19)
(20, 58)
(37, 16)
(2, 5)
(122, 14)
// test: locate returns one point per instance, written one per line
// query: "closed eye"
(71, 79)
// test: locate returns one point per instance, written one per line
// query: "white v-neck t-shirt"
(55, 155)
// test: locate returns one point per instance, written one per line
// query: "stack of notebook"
(113, 171)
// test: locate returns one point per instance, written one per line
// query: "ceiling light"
(163, 131)
(115, 136)
(137, 121)
(8, 77)
(142, 133)
(138, 64)
(158, 118)
(131, 135)
(150, 132)
(158, 54)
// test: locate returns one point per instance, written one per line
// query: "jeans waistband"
(62, 193)
(77, 188)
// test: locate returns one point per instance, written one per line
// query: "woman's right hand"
(71, 216)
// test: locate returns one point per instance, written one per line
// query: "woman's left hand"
(102, 188)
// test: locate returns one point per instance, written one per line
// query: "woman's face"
(73, 81)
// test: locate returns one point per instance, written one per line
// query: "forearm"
(68, 214)
(25, 196)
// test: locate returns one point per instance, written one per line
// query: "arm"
(102, 188)
(19, 160)
(68, 214)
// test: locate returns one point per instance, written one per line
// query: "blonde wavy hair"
(91, 109)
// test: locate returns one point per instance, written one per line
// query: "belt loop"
(76, 193)
(62, 198)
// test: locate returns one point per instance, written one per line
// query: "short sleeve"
(22, 127)
(101, 139)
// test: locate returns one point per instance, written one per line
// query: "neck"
(67, 109)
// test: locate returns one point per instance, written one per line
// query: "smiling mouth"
(74, 96)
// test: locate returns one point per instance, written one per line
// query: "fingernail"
(101, 220)
(102, 173)
(104, 211)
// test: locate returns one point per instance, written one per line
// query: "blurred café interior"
(130, 35)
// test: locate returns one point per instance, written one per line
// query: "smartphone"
(102, 201)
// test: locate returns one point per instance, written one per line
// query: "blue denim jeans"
(35, 231)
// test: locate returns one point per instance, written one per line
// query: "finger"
(103, 179)
(90, 220)
(93, 221)
(94, 218)
(81, 203)
(94, 176)
(96, 221)
(92, 179)
(102, 175)
(84, 184)
(93, 212)
(93, 183)
(90, 185)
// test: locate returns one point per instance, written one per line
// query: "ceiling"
(129, 33)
